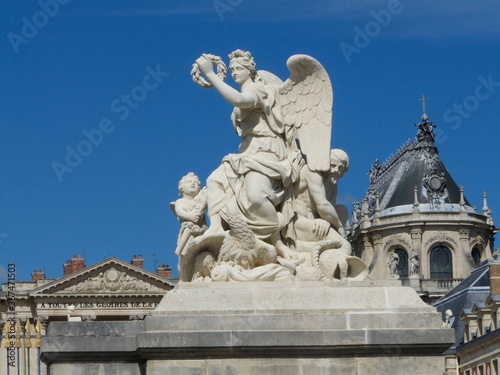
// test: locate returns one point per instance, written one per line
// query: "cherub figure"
(190, 210)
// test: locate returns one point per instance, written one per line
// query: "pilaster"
(464, 258)
(416, 244)
(380, 264)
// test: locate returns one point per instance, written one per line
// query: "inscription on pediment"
(113, 281)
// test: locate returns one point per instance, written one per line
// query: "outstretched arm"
(318, 194)
(238, 99)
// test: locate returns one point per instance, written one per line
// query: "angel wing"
(269, 78)
(307, 100)
(172, 207)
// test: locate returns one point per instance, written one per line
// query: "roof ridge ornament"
(425, 132)
(423, 100)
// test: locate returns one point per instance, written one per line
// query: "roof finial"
(462, 199)
(416, 203)
(485, 204)
(424, 114)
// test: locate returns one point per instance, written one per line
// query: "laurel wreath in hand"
(221, 71)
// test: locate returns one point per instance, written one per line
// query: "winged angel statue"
(284, 127)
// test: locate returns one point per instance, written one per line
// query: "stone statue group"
(272, 207)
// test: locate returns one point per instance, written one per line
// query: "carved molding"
(89, 318)
(416, 234)
(435, 186)
(440, 237)
(477, 240)
(397, 240)
(113, 281)
(464, 233)
(377, 239)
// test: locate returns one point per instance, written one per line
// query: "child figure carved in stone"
(190, 210)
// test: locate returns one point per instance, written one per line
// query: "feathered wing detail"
(307, 100)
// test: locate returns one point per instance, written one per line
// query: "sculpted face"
(191, 186)
(337, 168)
(239, 73)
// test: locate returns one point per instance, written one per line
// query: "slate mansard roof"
(416, 172)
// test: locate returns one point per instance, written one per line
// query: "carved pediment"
(112, 281)
(111, 276)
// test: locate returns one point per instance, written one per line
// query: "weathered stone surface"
(264, 328)
(295, 297)
(395, 365)
(106, 342)
(97, 369)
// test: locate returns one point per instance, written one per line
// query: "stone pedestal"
(289, 328)
(414, 282)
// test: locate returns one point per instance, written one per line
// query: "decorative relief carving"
(441, 237)
(377, 239)
(397, 240)
(435, 186)
(113, 281)
(416, 233)
(464, 232)
(477, 240)
(89, 318)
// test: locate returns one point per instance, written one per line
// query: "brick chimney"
(74, 264)
(37, 275)
(495, 278)
(137, 261)
(164, 270)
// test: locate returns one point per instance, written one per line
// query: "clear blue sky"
(64, 73)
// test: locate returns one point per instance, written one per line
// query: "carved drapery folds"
(272, 207)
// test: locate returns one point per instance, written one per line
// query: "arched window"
(403, 263)
(441, 263)
(476, 255)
